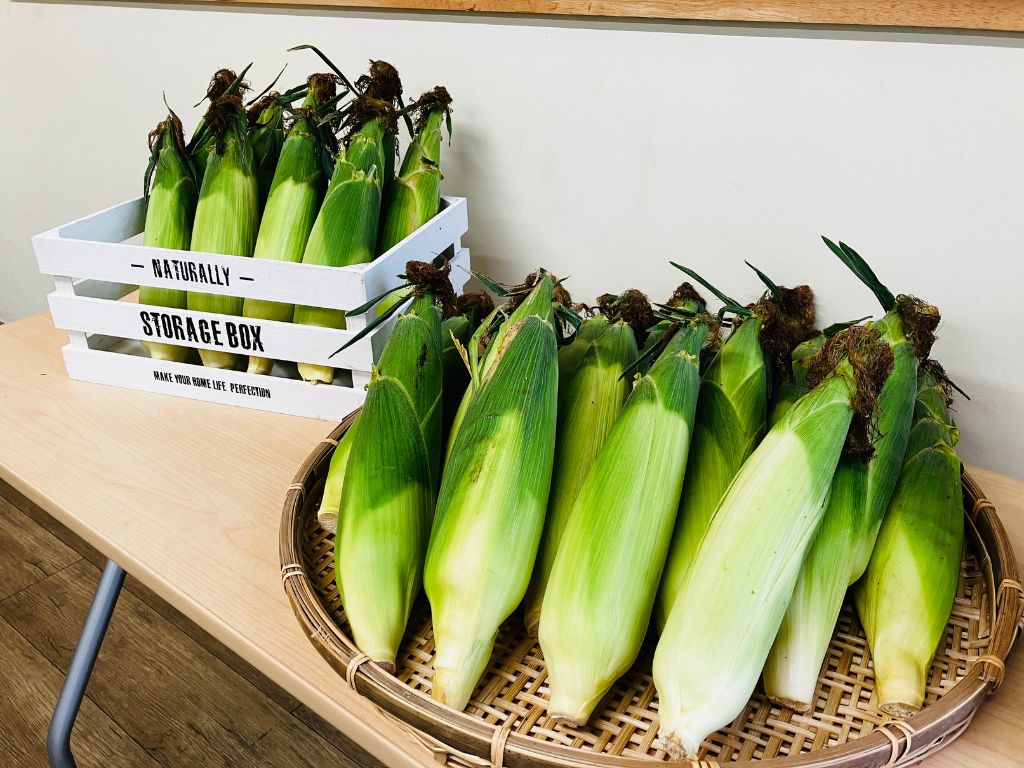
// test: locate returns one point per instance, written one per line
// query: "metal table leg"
(58, 740)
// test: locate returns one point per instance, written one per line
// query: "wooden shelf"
(1004, 15)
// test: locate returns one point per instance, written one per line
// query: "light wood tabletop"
(187, 497)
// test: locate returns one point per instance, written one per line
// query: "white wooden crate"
(93, 268)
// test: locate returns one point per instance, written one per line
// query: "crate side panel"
(112, 225)
(430, 240)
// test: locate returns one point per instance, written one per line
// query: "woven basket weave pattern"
(510, 700)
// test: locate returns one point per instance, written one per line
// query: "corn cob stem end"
(328, 520)
(793, 704)
(260, 365)
(214, 358)
(316, 374)
(900, 696)
(679, 743)
(900, 710)
(570, 704)
(446, 688)
(569, 720)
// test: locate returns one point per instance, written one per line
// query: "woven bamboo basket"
(506, 724)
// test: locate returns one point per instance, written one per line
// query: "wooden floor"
(164, 693)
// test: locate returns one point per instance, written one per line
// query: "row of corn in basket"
(272, 179)
(730, 474)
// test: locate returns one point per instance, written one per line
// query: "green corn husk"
(365, 150)
(793, 388)
(685, 298)
(456, 331)
(390, 484)
(292, 205)
(729, 609)
(490, 510)
(857, 503)
(330, 505)
(383, 83)
(266, 135)
(469, 307)
(591, 391)
(794, 385)
(612, 552)
(731, 420)
(227, 215)
(476, 350)
(345, 231)
(223, 83)
(171, 196)
(907, 593)
(414, 198)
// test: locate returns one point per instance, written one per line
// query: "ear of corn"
(345, 231)
(746, 567)
(454, 376)
(493, 495)
(292, 205)
(383, 84)
(414, 198)
(590, 397)
(389, 486)
(731, 416)
(591, 391)
(227, 215)
(837, 558)
(730, 422)
(266, 135)
(365, 148)
(170, 208)
(906, 595)
(223, 83)
(613, 549)
(330, 504)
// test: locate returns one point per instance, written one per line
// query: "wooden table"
(186, 496)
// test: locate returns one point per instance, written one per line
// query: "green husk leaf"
(493, 495)
(227, 214)
(171, 196)
(591, 392)
(907, 593)
(611, 554)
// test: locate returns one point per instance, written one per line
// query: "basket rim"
(475, 737)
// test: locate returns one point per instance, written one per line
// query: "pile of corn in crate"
(260, 234)
(684, 502)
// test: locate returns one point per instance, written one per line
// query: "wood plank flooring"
(163, 693)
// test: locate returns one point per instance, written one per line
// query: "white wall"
(601, 150)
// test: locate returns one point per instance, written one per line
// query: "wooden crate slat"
(238, 335)
(265, 393)
(103, 257)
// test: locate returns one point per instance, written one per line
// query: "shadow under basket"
(506, 723)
